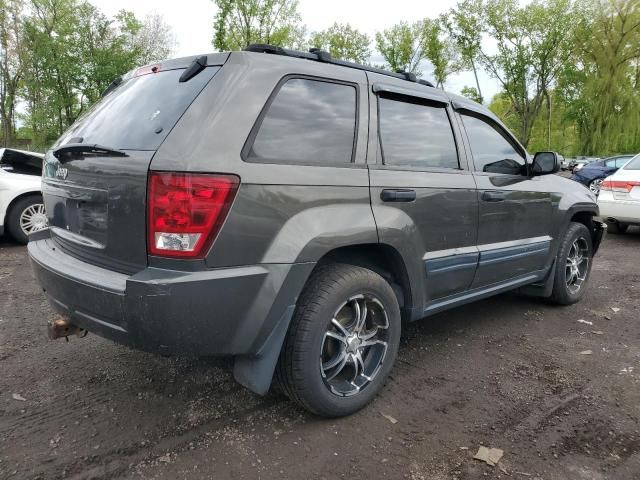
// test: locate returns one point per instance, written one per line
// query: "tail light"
(619, 185)
(185, 212)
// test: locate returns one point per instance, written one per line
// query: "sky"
(192, 23)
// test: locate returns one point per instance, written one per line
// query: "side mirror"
(545, 163)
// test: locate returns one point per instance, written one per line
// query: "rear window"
(309, 121)
(633, 164)
(140, 112)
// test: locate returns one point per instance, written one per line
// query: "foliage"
(402, 47)
(239, 23)
(344, 42)
(531, 48)
(568, 70)
(464, 26)
(601, 86)
(61, 54)
(472, 93)
(440, 51)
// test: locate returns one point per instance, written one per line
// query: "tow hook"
(61, 327)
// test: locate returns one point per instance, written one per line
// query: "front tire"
(342, 342)
(25, 217)
(573, 265)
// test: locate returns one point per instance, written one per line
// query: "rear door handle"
(493, 196)
(404, 195)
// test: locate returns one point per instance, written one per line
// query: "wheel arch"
(587, 218)
(383, 259)
(256, 372)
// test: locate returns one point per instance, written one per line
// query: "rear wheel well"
(385, 260)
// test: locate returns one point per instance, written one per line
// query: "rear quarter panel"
(282, 213)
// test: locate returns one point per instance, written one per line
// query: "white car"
(21, 207)
(619, 199)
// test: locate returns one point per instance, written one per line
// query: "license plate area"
(79, 214)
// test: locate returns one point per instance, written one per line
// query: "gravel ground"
(508, 373)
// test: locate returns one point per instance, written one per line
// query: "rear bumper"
(619, 210)
(227, 311)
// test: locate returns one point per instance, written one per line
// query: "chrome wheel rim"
(354, 345)
(33, 218)
(577, 265)
(596, 185)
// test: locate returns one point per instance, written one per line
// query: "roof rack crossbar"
(319, 55)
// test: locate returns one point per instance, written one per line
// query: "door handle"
(493, 196)
(398, 195)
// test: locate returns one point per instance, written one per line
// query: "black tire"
(616, 227)
(564, 293)
(15, 212)
(300, 371)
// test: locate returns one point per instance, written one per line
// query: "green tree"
(344, 42)
(440, 51)
(471, 93)
(532, 47)
(402, 47)
(464, 24)
(239, 23)
(601, 85)
(73, 52)
(12, 53)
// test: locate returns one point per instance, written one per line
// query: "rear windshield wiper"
(116, 81)
(74, 151)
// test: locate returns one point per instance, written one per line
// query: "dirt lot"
(506, 372)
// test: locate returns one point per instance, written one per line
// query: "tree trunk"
(475, 74)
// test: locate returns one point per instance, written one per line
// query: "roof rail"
(319, 55)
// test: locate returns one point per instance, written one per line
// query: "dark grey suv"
(291, 211)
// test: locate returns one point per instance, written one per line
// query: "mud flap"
(599, 232)
(256, 372)
(544, 288)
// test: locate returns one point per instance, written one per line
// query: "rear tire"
(594, 185)
(616, 227)
(26, 216)
(342, 342)
(573, 265)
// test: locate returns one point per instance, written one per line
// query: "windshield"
(140, 112)
(634, 164)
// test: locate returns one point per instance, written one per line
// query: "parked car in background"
(619, 198)
(580, 163)
(21, 206)
(592, 174)
(565, 163)
(290, 211)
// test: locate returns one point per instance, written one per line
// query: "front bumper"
(227, 311)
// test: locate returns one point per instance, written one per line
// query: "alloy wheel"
(577, 265)
(354, 345)
(596, 185)
(33, 218)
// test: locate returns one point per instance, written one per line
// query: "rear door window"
(140, 112)
(308, 121)
(416, 135)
